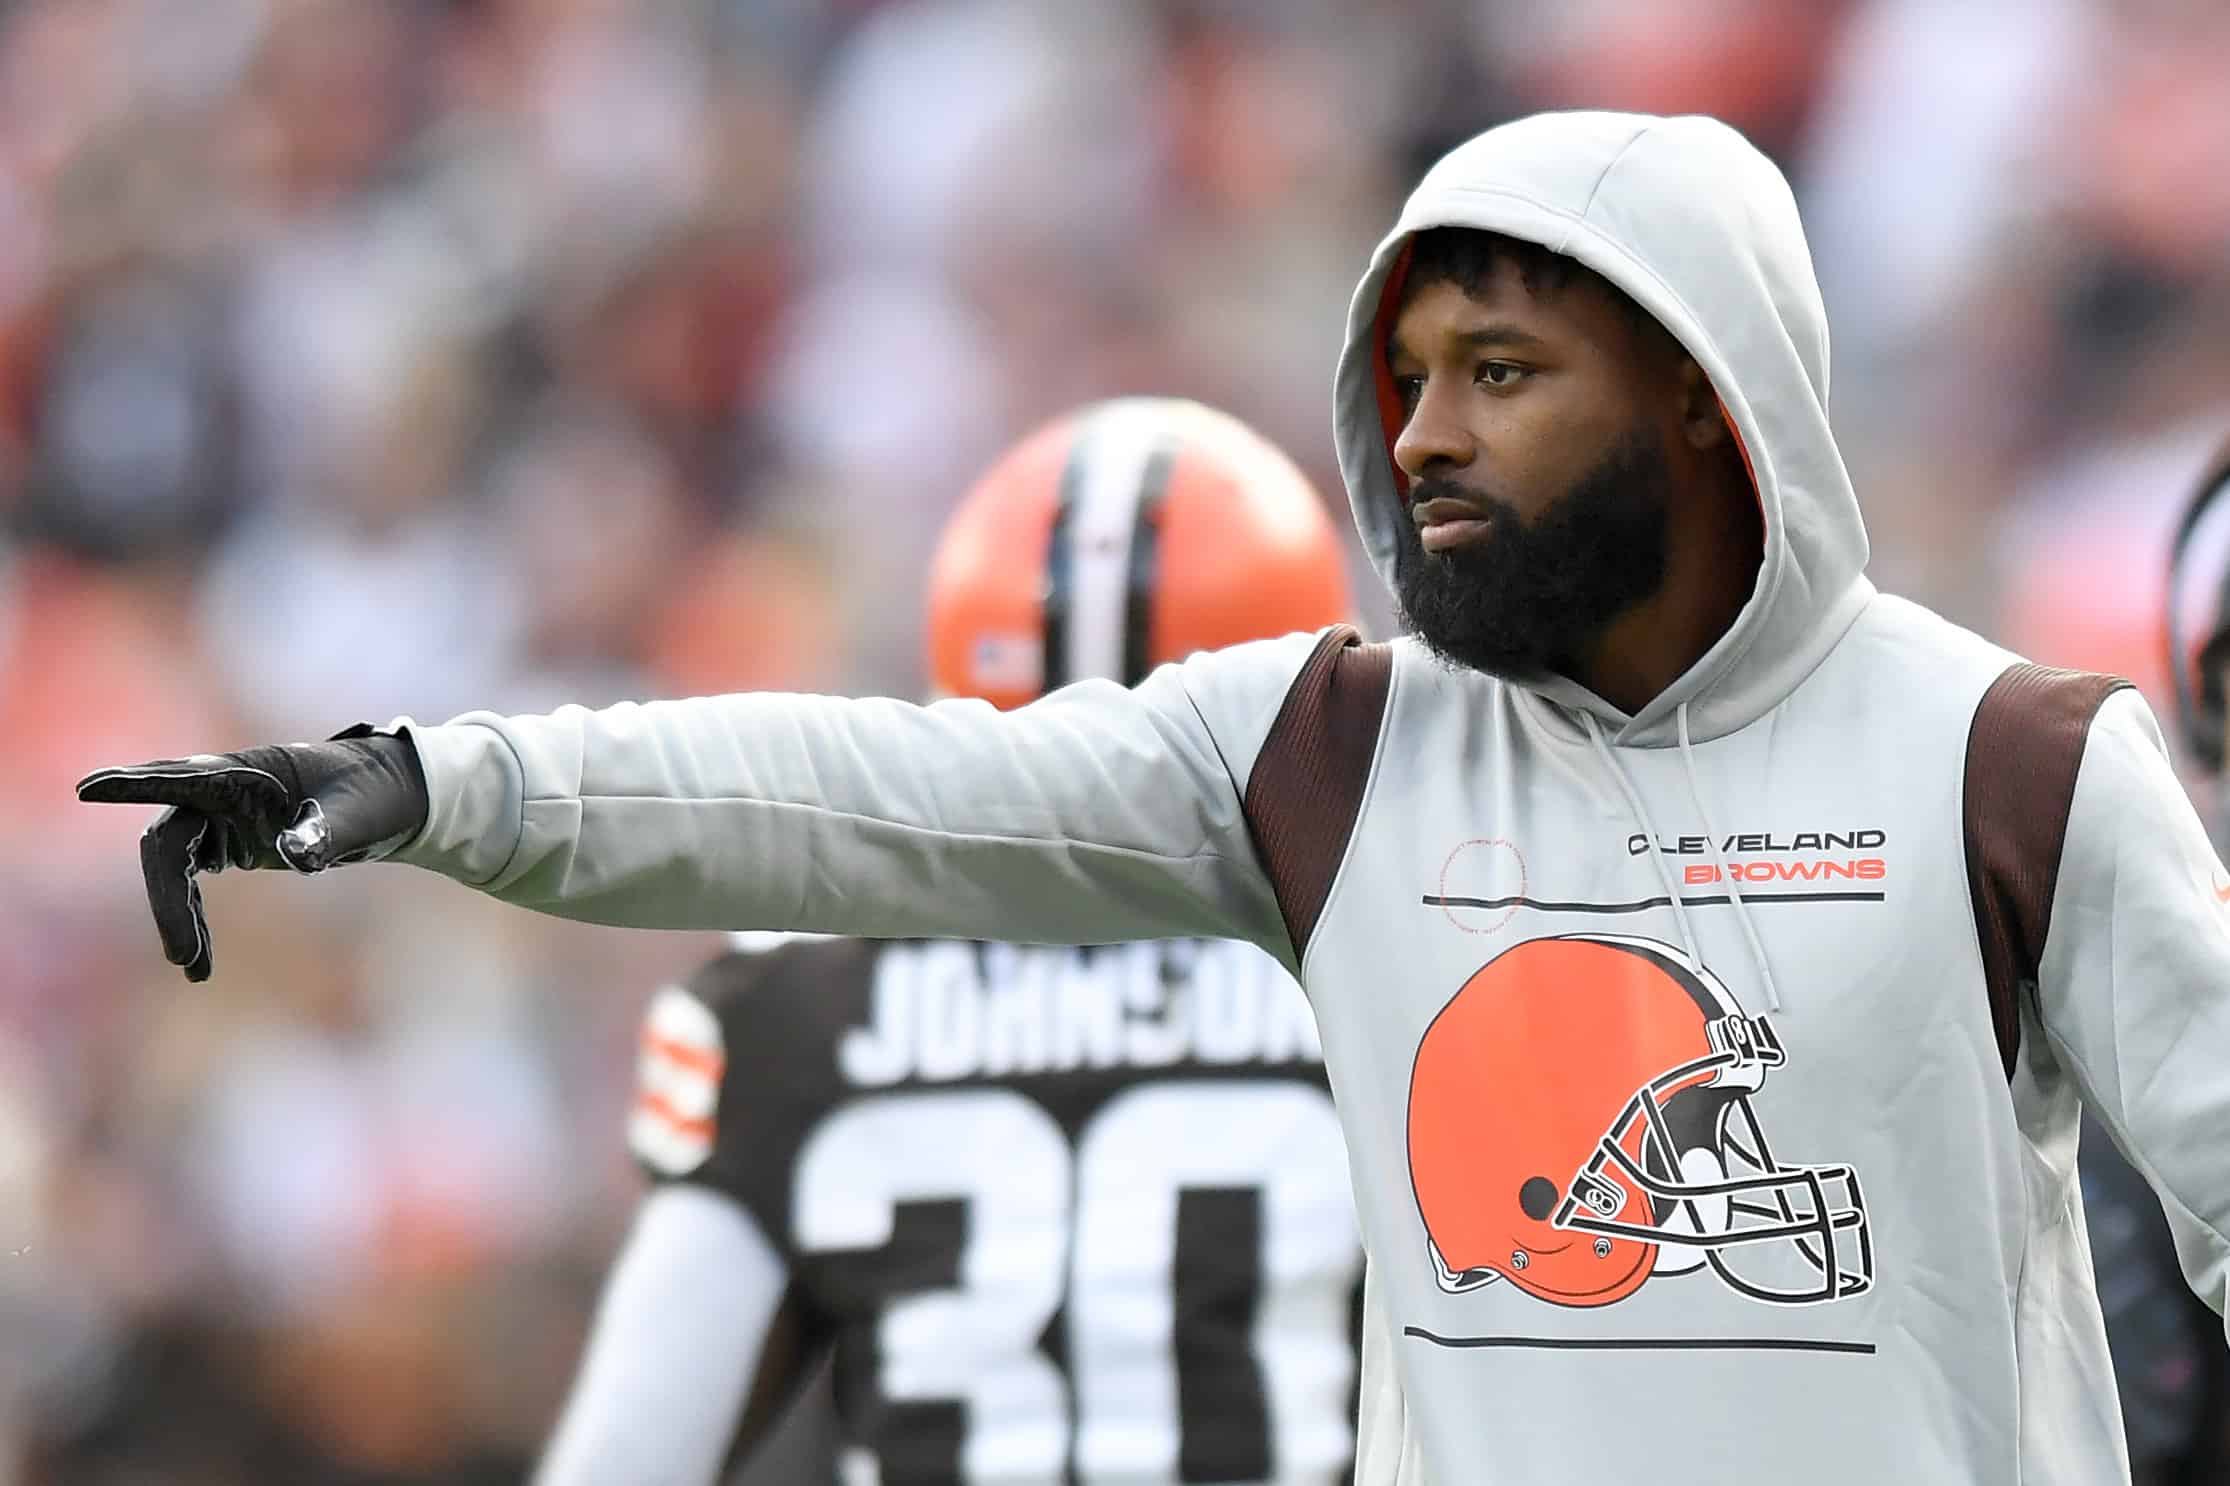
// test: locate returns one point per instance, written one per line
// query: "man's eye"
(1409, 390)
(1501, 373)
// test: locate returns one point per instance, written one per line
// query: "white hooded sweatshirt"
(1690, 1141)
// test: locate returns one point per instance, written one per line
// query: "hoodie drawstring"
(1640, 812)
(1719, 860)
(1649, 827)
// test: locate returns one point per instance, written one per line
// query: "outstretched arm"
(1098, 813)
(1094, 815)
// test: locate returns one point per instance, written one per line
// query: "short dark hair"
(1467, 256)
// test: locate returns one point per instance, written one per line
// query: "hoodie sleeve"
(2134, 985)
(1095, 814)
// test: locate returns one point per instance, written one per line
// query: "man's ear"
(1702, 421)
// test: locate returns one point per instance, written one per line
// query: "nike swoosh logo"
(2222, 894)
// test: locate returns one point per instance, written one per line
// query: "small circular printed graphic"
(1481, 884)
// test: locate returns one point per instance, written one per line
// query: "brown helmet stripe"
(1145, 565)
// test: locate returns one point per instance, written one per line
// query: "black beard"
(1528, 600)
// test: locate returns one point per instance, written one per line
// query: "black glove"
(306, 806)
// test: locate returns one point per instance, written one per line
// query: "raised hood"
(1688, 218)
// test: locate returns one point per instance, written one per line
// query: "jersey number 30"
(1104, 1238)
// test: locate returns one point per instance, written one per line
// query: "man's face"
(1535, 442)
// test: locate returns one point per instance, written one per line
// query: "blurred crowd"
(375, 357)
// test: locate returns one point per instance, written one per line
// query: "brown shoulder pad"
(2024, 751)
(1307, 785)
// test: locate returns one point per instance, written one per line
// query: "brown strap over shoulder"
(1307, 785)
(2024, 751)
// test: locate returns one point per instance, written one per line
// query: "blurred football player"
(2202, 677)
(2175, 1379)
(974, 1172)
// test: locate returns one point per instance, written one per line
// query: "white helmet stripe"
(1097, 526)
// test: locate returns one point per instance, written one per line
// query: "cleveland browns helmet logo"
(1580, 1123)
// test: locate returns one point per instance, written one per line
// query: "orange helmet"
(1580, 1122)
(1120, 536)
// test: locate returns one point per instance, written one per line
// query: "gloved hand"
(306, 806)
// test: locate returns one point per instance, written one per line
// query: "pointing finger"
(166, 859)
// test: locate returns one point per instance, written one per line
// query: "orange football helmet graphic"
(1120, 536)
(1580, 1122)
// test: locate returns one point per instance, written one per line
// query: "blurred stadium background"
(373, 356)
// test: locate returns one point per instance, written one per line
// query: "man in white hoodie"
(1711, 963)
